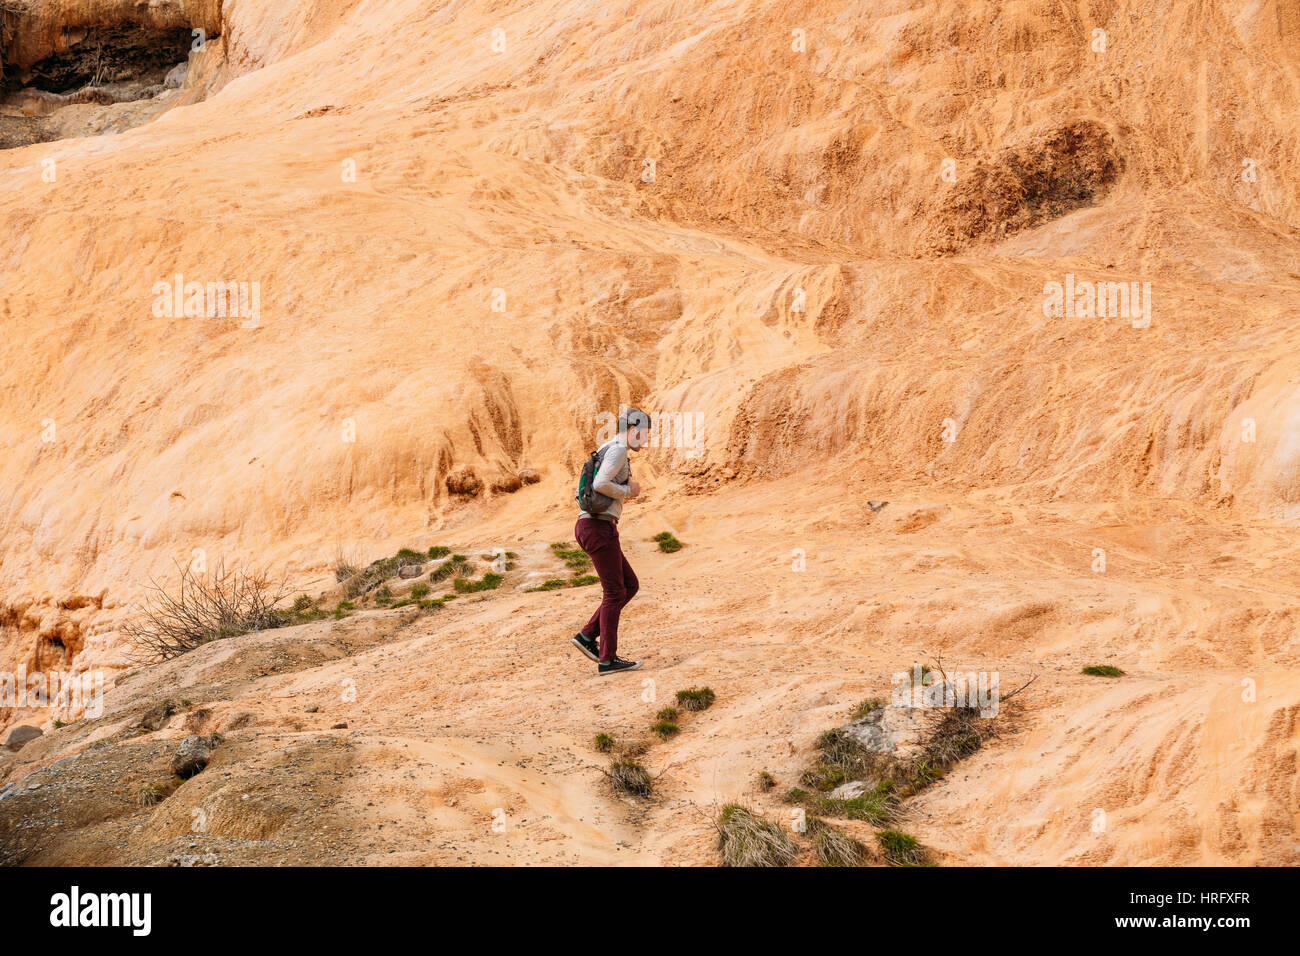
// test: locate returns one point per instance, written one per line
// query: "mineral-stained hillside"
(327, 277)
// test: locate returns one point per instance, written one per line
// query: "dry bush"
(628, 776)
(696, 698)
(507, 485)
(464, 482)
(344, 567)
(224, 603)
(747, 839)
(832, 847)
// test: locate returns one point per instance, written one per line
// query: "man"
(597, 534)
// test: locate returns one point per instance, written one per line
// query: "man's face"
(637, 437)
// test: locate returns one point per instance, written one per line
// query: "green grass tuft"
(575, 559)
(456, 566)
(667, 542)
(489, 582)
(665, 729)
(554, 584)
(1102, 670)
(901, 849)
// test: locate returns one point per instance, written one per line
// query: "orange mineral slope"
(833, 235)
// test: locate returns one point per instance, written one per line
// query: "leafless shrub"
(225, 602)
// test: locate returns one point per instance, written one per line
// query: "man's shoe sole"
(590, 656)
(621, 670)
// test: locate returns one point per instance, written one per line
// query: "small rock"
(876, 505)
(410, 571)
(156, 717)
(191, 756)
(312, 709)
(529, 477)
(175, 77)
(343, 725)
(22, 735)
(847, 791)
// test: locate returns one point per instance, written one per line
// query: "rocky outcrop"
(191, 756)
(41, 29)
(22, 735)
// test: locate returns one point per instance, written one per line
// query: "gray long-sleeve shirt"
(612, 477)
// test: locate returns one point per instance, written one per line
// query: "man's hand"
(633, 489)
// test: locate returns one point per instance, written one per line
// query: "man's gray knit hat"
(633, 418)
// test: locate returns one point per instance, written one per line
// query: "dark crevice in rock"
(117, 55)
(105, 66)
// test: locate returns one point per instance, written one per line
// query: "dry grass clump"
(747, 839)
(696, 698)
(832, 847)
(629, 777)
(840, 757)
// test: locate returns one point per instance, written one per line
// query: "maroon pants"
(599, 538)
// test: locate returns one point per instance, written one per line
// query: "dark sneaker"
(587, 645)
(616, 665)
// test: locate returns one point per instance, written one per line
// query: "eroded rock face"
(40, 30)
(111, 57)
(101, 54)
(780, 275)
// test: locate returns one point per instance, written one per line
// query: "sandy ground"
(462, 260)
(482, 712)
